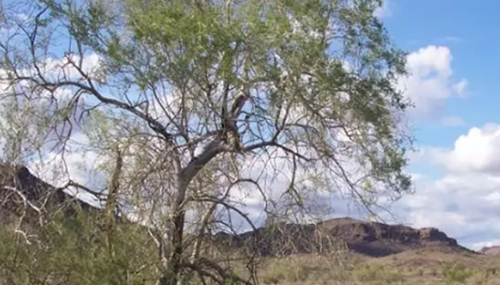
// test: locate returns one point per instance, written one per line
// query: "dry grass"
(420, 267)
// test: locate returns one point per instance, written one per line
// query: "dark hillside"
(15, 180)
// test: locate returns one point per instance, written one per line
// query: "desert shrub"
(77, 251)
(491, 271)
(457, 274)
(270, 278)
(300, 269)
(376, 272)
(290, 273)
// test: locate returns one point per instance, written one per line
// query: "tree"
(183, 102)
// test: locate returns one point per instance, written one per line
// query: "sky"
(453, 55)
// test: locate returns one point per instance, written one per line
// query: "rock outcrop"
(370, 239)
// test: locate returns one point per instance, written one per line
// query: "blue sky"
(457, 166)
(469, 32)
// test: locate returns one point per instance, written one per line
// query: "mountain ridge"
(367, 238)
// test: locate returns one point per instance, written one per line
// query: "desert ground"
(416, 267)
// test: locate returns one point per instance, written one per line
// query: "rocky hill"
(370, 239)
(17, 183)
(491, 250)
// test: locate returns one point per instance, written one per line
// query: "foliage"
(180, 101)
(77, 251)
(377, 272)
(457, 273)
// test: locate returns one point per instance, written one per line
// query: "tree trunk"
(174, 261)
(172, 272)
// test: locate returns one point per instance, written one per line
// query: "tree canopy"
(186, 105)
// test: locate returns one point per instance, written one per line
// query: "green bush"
(77, 252)
(376, 272)
(457, 274)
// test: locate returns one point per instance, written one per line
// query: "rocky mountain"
(18, 184)
(371, 239)
(491, 250)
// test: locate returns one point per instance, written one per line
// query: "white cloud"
(76, 164)
(57, 68)
(465, 207)
(428, 155)
(53, 166)
(465, 201)
(480, 245)
(476, 151)
(383, 11)
(430, 82)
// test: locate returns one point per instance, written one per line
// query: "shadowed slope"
(20, 190)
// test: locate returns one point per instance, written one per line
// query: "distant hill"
(369, 239)
(491, 250)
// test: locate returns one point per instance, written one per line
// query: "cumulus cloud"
(31, 119)
(66, 67)
(76, 163)
(430, 82)
(465, 201)
(476, 152)
(466, 207)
